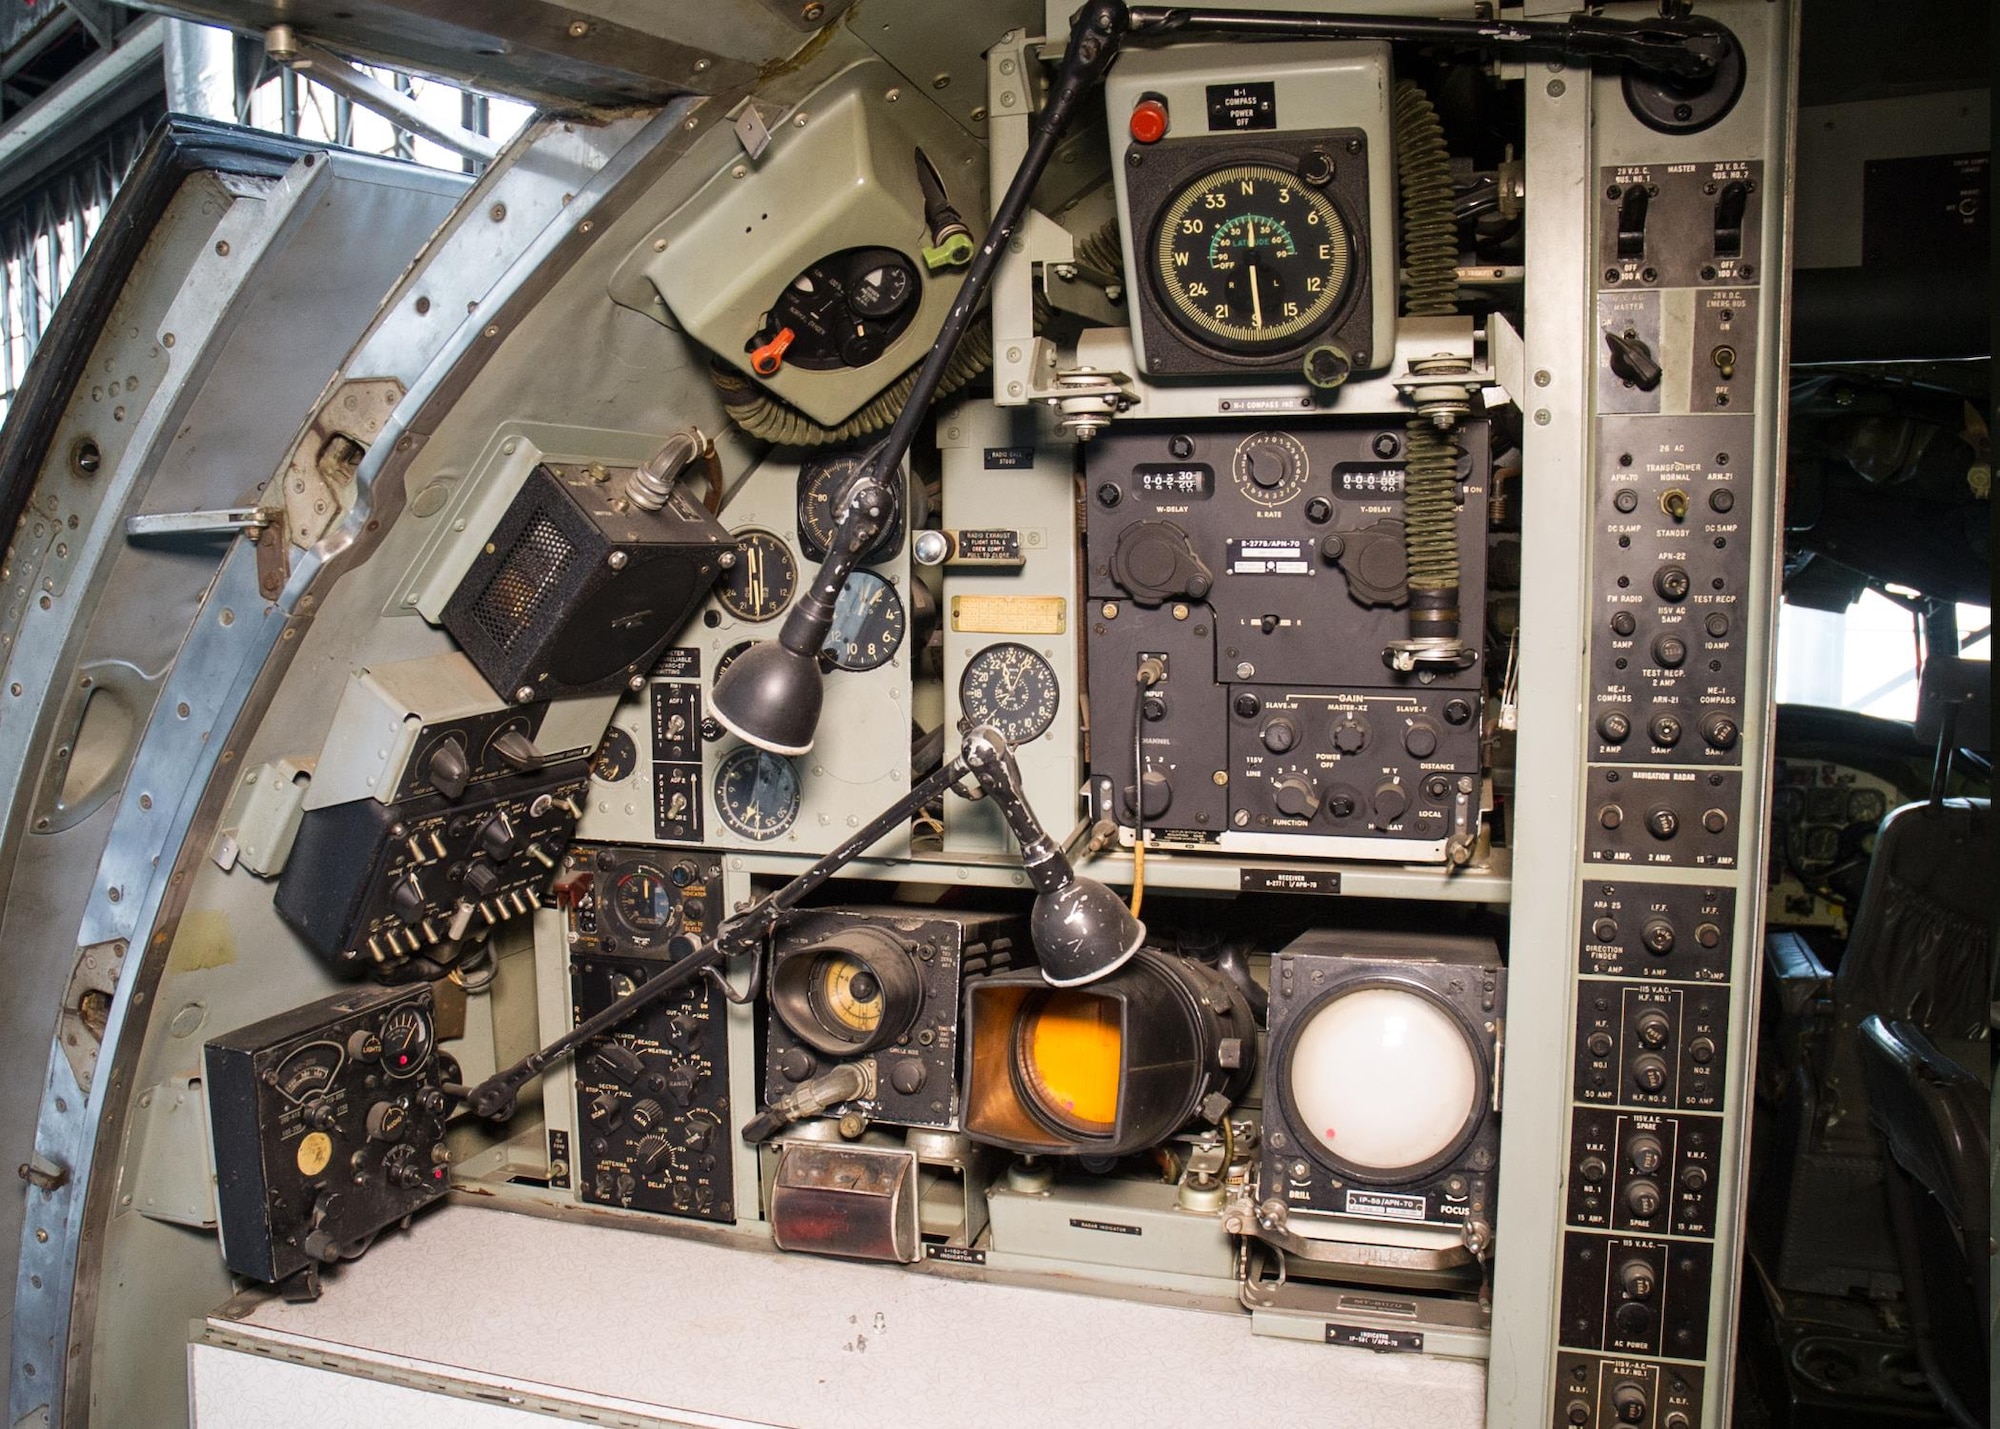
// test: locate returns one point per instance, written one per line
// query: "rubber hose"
(769, 419)
(1430, 232)
(1101, 249)
(1430, 519)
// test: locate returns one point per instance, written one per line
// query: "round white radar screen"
(1384, 1078)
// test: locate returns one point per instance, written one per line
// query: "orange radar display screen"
(1067, 1048)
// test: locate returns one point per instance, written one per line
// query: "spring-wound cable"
(1430, 229)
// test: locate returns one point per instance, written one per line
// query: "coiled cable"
(1430, 516)
(1430, 227)
(771, 419)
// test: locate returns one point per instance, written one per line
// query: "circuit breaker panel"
(1680, 477)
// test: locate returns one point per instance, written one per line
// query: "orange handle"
(766, 360)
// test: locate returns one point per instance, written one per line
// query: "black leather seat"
(1932, 1117)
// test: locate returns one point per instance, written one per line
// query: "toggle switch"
(1632, 206)
(1729, 210)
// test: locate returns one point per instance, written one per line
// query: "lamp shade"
(770, 697)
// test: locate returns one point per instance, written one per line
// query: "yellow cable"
(1138, 874)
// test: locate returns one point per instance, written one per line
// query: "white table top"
(672, 1324)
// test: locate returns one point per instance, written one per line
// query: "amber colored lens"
(1067, 1048)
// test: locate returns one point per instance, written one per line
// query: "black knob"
(1280, 735)
(406, 899)
(1721, 500)
(448, 769)
(1676, 1420)
(1649, 1071)
(1694, 1179)
(1662, 823)
(1701, 1051)
(1614, 728)
(908, 1076)
(1717, 625)
(1672, 583)
(647, 1114)
(1718, 731)
(1350, 734)
(1654, 1027)
(1269, 466)
(1319, 511)
(1389, 803)
(386, 1121)
(1605, 930)
(652, 1152)
(518, 751)
(1633, 1321)
(1578, 1411)
(1658, 935)
(1247, 705)
(681, 1082)
(1593, 1170)
(1340, 804)
(496, 838)
(1623, 623)
(1296, 797)
(604, 1107)
(795, 1064)
(480, 881)
(1457, 712)
(1665, 730)
(322, 1116)
(1670, 651)
(1642, 1198)
(1628, 1400)
(699, 1135)
(1644, 1152)
(1632, 359)
(1421, 739)
(1599, 1044)
(1159, 794)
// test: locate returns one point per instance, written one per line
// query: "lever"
(1729, 209)
(1632, 221)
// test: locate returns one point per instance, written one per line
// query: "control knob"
(497, 839)
(1350, 734)
(1296, 796)
(1421, 739)
(1389, 802)
(1280, 735)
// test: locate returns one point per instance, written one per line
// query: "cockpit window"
(1866, 658)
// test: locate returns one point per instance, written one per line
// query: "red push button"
(1149, 121)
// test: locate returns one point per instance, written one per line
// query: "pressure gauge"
(406, 1041)
(757, 793)
(762, 582)
(642, 898)
(824, 482)
(1251, 259)
(616, 757)
(1011, 688)
(868, 623)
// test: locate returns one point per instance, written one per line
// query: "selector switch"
(1389, 803)
(1632, 360)
(1296, 797)
(1421, 739)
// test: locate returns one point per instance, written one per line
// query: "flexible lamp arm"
(494, 1098)
(871, 506)
(1650, 46)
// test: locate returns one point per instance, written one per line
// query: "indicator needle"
(1256, 303)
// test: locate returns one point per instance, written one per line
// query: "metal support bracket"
(287, 49)
(265, 525)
